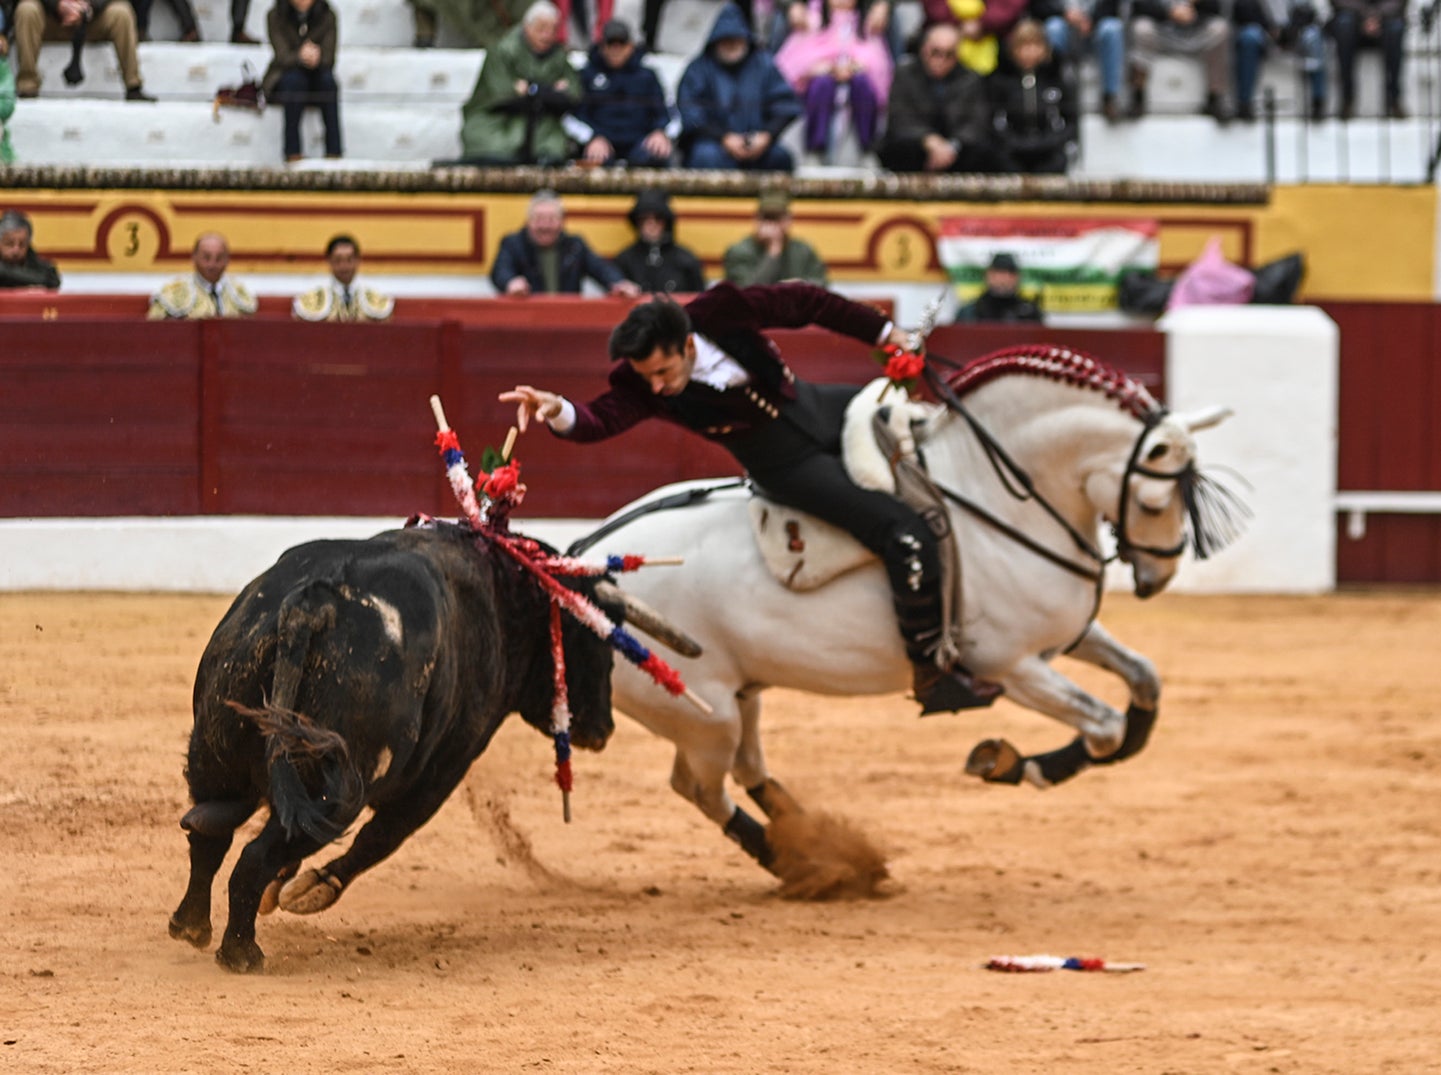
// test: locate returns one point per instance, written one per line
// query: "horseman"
(708, 366)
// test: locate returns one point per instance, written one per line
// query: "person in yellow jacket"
(208, 291)
(343, 297)
(979, 50)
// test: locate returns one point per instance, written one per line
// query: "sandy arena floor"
(1274, 858)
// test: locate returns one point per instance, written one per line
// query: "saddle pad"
(803, 552)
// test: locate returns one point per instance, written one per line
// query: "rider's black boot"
(912, 564)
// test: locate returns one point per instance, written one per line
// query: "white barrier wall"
(1276, 367)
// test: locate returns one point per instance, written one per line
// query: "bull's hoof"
(996, 762)
(242, 957)
(311, 892)
(196, 933)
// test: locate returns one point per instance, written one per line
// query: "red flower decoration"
(503, 483)
(904, 367)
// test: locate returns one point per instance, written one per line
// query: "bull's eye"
(1157, 450)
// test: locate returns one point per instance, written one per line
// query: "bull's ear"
(1205, 418)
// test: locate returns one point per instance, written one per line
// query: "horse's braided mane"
(1058, 364)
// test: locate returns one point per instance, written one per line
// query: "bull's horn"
(647, 619)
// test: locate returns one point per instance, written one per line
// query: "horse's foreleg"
(1035, 684)
(1099, 648)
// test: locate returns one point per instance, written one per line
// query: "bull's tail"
(315, 787)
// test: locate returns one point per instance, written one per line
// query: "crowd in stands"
(541, 258)
(985, 85)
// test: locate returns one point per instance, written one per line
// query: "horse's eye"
(1157, 450)
(1147, 509)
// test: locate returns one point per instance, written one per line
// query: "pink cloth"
(802, 50)
(1211, 280)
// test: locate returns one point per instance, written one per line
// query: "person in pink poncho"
(836, 61)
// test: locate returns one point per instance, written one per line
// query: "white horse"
(1035, 448)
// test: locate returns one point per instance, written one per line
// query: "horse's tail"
(315, 787)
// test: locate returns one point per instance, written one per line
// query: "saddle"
(878, 442)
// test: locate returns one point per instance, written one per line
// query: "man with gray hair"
(20, 266)
(518, 111)
(542, 258)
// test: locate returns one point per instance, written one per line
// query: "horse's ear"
(1194, 421)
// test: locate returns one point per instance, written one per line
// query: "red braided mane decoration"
(1057, 364)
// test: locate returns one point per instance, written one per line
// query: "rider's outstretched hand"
(531, 402)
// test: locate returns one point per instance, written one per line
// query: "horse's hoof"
(996, 762)
(197, 934)
(270, 898)
(242, 958)
(311, 892)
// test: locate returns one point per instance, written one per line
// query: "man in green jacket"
(771, 254)
(525, 89)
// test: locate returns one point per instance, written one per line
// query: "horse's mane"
(1058, 364)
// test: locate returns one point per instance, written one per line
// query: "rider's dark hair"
(660, 323)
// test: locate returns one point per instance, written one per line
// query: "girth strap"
(665, 503)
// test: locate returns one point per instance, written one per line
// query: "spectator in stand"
(7, 90)
(1109, 39)
(37, 21)
(803, 15)
(734, 103)
(997, 19)
(20, 265)
(770, 254)
(1034, 109)
(475, 25)
(206, 292)
(1255, 31)
(1357, 23)
(939, 118)
(1304, 35)
(239, 12)
(1067, 24)
(834, 60)
(184, 13)
(304, 35)
(980, 50)
(655, 262)
(622, 104)
(526, 86)
(1180, 27)
(1002, 299)
(543, 259)
(344, 297)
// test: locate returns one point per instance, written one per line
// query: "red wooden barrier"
(265, 416)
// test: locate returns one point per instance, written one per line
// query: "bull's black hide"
(362, 673)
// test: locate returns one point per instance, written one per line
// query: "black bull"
(362, 673)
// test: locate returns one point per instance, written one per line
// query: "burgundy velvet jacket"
(734, 319)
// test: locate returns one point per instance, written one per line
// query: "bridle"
(1018, 483)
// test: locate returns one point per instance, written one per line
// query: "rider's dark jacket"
(770, 421)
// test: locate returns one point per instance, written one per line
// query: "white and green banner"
(1068, 265)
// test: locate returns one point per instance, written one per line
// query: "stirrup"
(948, 692)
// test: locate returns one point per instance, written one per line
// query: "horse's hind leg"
(210, 827)
(749, 770)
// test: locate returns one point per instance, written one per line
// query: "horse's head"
(1161, 494)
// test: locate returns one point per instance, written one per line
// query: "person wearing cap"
(544, 259)
(770, 253)
(655, 262)
(1002, 299)
(518, 111)
(734, 103)
(344, 297)
(622, 104)
(709, 367)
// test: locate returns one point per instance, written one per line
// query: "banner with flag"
(1068, 265)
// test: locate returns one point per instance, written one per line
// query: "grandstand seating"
(400, 108)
